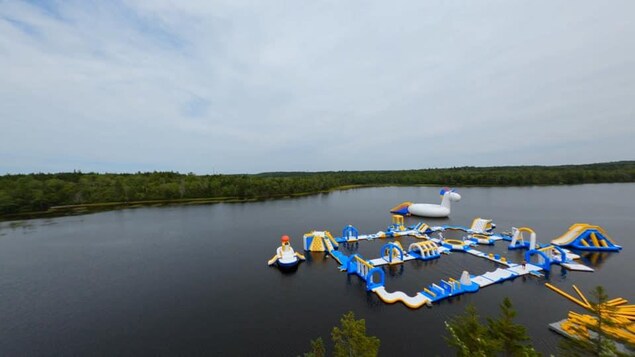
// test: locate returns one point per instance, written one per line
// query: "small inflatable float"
(428, 209)
(285, 257)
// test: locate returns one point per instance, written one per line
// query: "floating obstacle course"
(392, 253)
(537, 258)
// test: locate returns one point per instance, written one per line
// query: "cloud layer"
(289, 85)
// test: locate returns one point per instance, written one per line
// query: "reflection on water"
(351, 248)
(394, 270)
(288, 270)
(595, 259)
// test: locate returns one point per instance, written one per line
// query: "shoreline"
(88, 208)
(27, 196)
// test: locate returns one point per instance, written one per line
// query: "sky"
(246, 87)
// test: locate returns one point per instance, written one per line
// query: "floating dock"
(557, 327)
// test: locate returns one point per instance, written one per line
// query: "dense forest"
(60, 193)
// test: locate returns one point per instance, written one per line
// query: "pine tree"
(317, 348)
(469, 336)
(351, 338)
(511, 336)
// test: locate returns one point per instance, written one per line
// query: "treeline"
(40, 192)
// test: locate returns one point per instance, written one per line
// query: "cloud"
(242, 87)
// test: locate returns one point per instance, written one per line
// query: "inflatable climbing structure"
(584, 236)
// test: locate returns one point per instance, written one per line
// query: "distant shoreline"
(79, 209)
(51, 195)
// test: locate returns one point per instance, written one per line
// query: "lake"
(193, 280)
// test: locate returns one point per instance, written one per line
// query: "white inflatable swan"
(429, 209)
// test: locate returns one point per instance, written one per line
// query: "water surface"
(193, 279)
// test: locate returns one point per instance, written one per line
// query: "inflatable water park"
(538, 259)
(430, 244)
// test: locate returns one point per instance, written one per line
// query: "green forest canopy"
(40, 192)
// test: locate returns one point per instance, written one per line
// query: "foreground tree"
(349, 339)
(469, 336)
(317, 348)
(511, 336)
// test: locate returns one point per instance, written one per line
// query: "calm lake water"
(193, 280)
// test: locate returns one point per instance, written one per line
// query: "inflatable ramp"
(483, 226)
(401, 208)
(584, 236)
(421, 228)
(319, 241)
(323, 241)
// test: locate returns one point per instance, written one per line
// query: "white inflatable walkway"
(412, 302)
(493, 277)
(576, 266)
(518, 269)
(501, 274)
(381, 261)
(480, 254)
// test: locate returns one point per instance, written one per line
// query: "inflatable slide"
(584, 236)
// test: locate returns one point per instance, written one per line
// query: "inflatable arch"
(397, 224)
(518, 238)
(371, 283)
(546, 256)
(543, 261)
(350, 233)
(360, 267)
(426, 249)
(392, 252)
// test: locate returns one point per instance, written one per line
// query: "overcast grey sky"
(228, 87)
